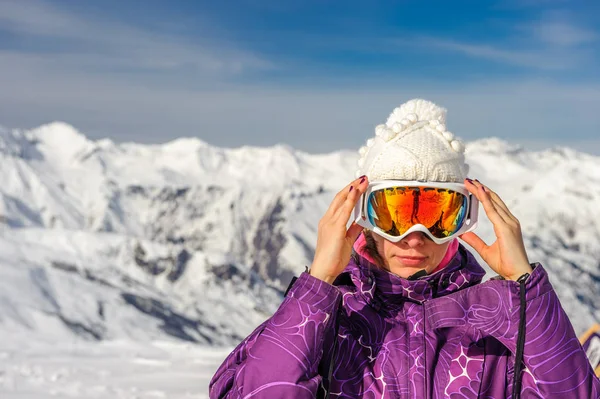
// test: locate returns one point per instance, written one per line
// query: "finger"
(504, 212)
(353, 232)
(475, 242)
(497, 203)
(473, 187)
(341, 196)
(500, 205)
(489, 208)
(494, 196)
(345, 210)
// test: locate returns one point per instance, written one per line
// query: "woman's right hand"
(334, 241)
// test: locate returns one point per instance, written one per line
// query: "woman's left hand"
(507, 255)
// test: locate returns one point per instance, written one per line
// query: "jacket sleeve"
(280, 359)
(556, 365)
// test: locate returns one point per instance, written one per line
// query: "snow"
(33, 367)
(131, 270)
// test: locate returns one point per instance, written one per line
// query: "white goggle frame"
(469, 224)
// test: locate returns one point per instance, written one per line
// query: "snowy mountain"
(185, 241)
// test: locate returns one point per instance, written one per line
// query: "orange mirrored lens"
(396, 209)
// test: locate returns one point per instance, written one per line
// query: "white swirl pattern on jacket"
(443, 336)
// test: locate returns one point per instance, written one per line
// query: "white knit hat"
(414, 145)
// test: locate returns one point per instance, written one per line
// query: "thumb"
(475, 242)
(353, 232)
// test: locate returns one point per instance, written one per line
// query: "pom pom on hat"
(414, 145)
(418, 109)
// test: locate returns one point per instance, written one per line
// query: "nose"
(413, 240)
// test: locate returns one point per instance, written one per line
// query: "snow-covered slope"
(191, 242)
(33, 366)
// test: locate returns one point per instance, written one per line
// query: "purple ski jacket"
(445, 335)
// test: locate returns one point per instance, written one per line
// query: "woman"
(394, 307)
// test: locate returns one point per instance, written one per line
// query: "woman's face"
(413, 253)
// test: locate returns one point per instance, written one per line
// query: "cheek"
(386, 248)
(437, 251)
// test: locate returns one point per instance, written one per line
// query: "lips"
(411, 260)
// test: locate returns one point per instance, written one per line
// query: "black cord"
(290, 285)
(520, 339)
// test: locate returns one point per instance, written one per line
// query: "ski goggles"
(395, 208)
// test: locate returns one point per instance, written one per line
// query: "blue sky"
(317, 75)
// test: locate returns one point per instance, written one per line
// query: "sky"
(315, 75)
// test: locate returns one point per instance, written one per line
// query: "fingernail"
(363, 179)
(477, 181)
(469, 180)
(351, 188)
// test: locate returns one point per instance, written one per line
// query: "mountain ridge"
(195, 242)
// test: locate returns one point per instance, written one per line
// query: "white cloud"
(563, 34)
(307, 118)
(561, 29)
(87, 90)
(112, 45)
(555, 41)
(37, 18)
(532, 58)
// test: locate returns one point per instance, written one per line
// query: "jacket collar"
(382, 288)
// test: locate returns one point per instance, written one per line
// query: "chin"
(403, 270)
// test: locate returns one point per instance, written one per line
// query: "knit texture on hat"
(414, 145)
